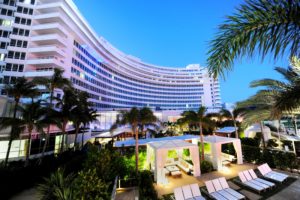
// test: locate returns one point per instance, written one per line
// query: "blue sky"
(174, 33)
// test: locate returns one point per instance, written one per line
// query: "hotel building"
(37, 36)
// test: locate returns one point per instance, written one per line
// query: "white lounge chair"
(212, 192)
(187, 193)
(251, 180)
(196, 192)
(220, 190)
(253, 175)
(267, 172)
(226, 187)
(249, 184)
(178, 194)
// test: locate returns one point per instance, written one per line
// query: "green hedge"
(146, 188)
(275, 158)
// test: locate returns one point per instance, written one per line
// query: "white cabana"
(216, 149)
(157, 153)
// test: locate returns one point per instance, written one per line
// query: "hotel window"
(27, 1)
(2, 57)
(5, 22)
(3, 45)
(9, 2)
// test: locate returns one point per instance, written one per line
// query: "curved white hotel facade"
(40, 35)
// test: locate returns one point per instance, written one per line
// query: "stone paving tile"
(233, 185)
(292, 192)
(250, 195)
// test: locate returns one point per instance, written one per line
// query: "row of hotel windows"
(179, 96)
(100, 91)
(85, 60)
(13, 2)
(23, 21)
(83, 67)
(76, 63)
(14, 43)
(164, 107)
(24, 10)
(12, 67)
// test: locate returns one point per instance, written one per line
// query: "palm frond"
(256, 26)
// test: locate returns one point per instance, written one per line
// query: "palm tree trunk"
(262, 134)
(48, 128)
(136, 148)
(63, 137)
(295, 125)
(28, 146)
(201, 141)
(76, 135)
(82, 138)
(11, 133)
(235, 128)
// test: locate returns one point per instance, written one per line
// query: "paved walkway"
(127, 194)
(30, 194)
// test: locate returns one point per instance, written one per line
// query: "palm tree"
(55, 81)
(33, 118)
(200, 118)
(90, 115)
(233, 114)
(21, 88)
(134, 119)
(147, 118)
(267, 26)
(66, 107)
(258, 108)
(82, 114)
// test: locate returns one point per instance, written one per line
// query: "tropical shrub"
(267, 157)
(57, 187)
(250, 142)
(251, 153)
(146, 188)
(87, 185)
(206, 166)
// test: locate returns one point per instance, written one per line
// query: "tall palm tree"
(82, 114)
(90, 115)
(33, 118)
(134, 118)
(201, 119)
(54, 82)
(257, 25)
(21, 88)
(147, 118)
(65, 110)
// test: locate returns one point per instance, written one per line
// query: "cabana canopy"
(216, 149)
(157, 153)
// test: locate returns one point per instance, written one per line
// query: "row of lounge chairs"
(188, 192)
(220, 190)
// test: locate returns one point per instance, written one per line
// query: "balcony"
(49, 39)
(31, 74)
(49, 17)
(49, 28)
(46, 62)
(47, 50)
